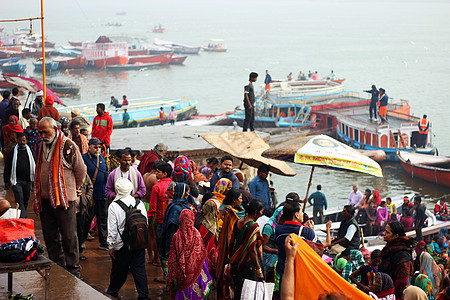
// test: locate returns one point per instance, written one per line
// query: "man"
(102, 126)
(60, 172)
(259, 186)
(48, 110)
(4, 104)
(373, 102)
(226, 164)
(355, 197)
(315, 76)
(15, 93)
(419, 217)
(383, 105)
(124, 260)
(80, 140)
(424, 125)
(97, 170)
(267, 82)
(76, 115)
(157, 153)
(114, 102)
(130, 172)
(348, 235)
(441, 211)
(320, 201)
(249, 102)
(38, 103)
(125, 118)
(246, 195)
(19, 173)
(24, 120)
(11, 110)
(161, 116)
(293, 216)
(125, 100)
(407, 205)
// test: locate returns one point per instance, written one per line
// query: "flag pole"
(43, 50)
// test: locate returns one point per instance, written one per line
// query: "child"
(382, 216)
(161, 116)
(366, 270)
(172, 116)
(407, 220)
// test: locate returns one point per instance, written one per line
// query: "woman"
(381, 285)
(382, 216)
(209, 231)
(210, 167)
(33, 136)
(188, 274)
(246, 248)
(376, 197)
(420, 247)
(233, 200)
(422, 281)
(429, 267)
(197, 175)
(270, 252)
(354, 263)
(371, 221)
(182, 172)
(221, 188)
(10, 132)
(396, 258)
(172, 222)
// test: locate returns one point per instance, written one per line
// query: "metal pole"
(43, 50)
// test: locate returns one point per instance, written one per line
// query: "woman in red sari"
(209, 230)
(10, 132)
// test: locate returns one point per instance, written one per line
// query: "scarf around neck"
(14, 164)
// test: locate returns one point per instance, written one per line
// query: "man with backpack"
(127, 239)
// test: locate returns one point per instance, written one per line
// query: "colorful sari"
(424, 282)
(429, 267)
(9, 133)
(270, 259)
(382, 285)
(220, 189)
(210, 232)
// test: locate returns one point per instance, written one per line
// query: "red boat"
(71, 62)
(109, 61)
(75, 43)
(159, 30)
(163, 59)
(138, 52)
(427, 167)
(178, 60)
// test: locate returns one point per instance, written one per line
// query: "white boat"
(177, 47)
(285, 90)
(215, 45)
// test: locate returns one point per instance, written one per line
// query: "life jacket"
(424, 126)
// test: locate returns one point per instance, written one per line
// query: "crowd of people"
(207, 228)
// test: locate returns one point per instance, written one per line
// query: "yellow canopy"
(314, 277)
(248, 147)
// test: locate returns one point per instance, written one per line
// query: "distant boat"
(13, 67)
(108, 61)
(163, 59)
(71, 62)
(158, 29)
(177, 47)
(75, 43)
(215, 45)
(9, 60)
(49, 66)
(177, 60)
(135, 66)
(121, 13)
(135, 52)
(155, 50)
(63, 87)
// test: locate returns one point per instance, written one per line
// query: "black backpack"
(135, 233)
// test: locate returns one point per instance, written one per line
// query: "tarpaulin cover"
(314, 277)
(14, 229)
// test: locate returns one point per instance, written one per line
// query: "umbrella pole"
(307, 190)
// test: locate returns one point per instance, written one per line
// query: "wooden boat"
(177, 60)
(9, 60)
(63, 88)
(159, 29)
(215, 45)
(157, 50)
(177, 47)
(13, 67)
(135, 66)
(108, 61)
(135, 52)
(49, 66)
(162, 59)
(76, 43)
(71, 62)
(284, 90)
(434, 169)
(144, 111)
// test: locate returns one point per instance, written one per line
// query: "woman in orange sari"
(10, 132)
(221, 188)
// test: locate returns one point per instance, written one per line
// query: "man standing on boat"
(355, 197)
(320, 201)
(249, 102)
(125, 100)
(267, 82)
(102, 126)
(424, 125)
(383, 105)
(419, 217)
(373, 102)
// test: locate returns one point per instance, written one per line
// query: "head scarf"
(187, 253)
(273, 221)
(209, 220)
(376, 197)
(429, 267)
(414, 293)
(123, 187)
(382, 282)
(424, 283)
(221, 186)
(180, 190)
(75, 111)
(340, 263)
(49, 100)
(15, 128)
(197, 175)
(420, 247)
(182, 165)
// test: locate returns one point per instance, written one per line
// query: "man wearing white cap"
(37, 104)
(124, 259)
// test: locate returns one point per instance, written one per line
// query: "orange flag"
(314, 277)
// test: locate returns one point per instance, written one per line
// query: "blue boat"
(143, 112)
(49, 66)
(9, 60)
(13, 68)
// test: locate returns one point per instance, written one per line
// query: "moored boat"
(134, 52)
(177, 60)
(143, 112)
(49, 66)
(177, 47)
(434, 169)
(108, 61)
(162, 59)
(13, 67)
(135, 66)
(76, 43)
(9, 60)
(71, 62)
(284, 90)
(63, 88)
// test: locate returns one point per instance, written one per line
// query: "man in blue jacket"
(373, 102)
(320, 201)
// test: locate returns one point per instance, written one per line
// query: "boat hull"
(432, 174)
(163, 59)
(13, 68)
(109, 61)
(137, 66)
(10, 60)
(177, 60)
(73, 63)
(49, 66)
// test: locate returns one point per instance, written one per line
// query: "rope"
(19, 20)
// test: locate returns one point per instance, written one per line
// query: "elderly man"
(158, 153)
(60, 172)
(38, 103)
(128, 171)
(79, 139)
(355, 197)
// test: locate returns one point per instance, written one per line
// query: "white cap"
(39, 93)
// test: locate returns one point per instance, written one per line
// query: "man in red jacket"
(102, 126)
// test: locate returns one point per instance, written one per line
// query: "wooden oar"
(307, 190)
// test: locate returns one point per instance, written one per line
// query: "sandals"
(159, 280)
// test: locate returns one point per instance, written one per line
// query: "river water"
(402, 46)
